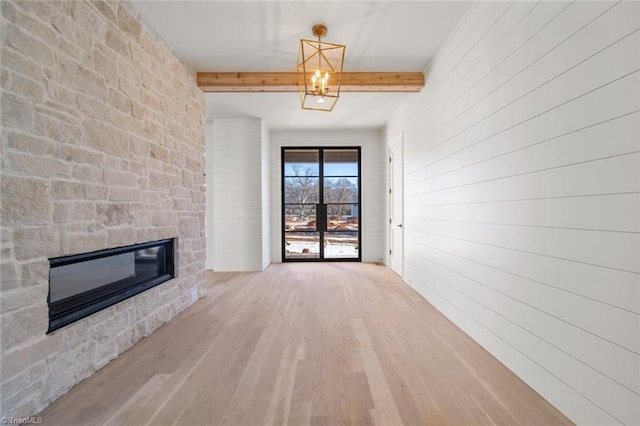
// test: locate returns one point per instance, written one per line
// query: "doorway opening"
(321, 197)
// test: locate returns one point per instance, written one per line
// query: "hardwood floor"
(306, 344)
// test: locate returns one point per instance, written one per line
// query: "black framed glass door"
(321, 204)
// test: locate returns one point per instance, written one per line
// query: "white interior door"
(396, 202)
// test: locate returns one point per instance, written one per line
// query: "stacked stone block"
(102, 146)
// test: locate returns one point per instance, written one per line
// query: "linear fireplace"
(83, 284)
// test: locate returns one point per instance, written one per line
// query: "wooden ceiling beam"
(288, 81)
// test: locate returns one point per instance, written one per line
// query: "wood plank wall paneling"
(210, 216)
(266, 196)
(522, 196)
(238, 213)
(373, 183)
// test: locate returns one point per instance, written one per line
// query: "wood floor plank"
(139, 407)
(305, 344)
(300, 414)
(385, 411)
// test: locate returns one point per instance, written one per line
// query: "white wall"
(209, 217)
(521, 196)
(237, 196)
(264, 184)
(373, 185)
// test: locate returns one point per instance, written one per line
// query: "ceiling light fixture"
(319, 71)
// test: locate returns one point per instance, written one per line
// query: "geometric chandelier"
(319, 71)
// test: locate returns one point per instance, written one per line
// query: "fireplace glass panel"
(82, 284)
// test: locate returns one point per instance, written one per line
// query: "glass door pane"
(302, 239)
(321, 203)
(301, 198)
(341, 162)
(341, 177)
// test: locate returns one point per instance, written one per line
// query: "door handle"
(399, 226)
(324, 217)
(321, 217)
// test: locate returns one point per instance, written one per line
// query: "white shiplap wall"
(373, 184)
(237, 199)
(522, 196)
(266, 208)
(209, 215)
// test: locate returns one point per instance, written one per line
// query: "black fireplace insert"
(83, 284)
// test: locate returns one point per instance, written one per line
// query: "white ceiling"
(264, 36)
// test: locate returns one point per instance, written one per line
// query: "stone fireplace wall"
(102, 146)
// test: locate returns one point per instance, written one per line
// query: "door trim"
(321, 189)
(396, 197)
